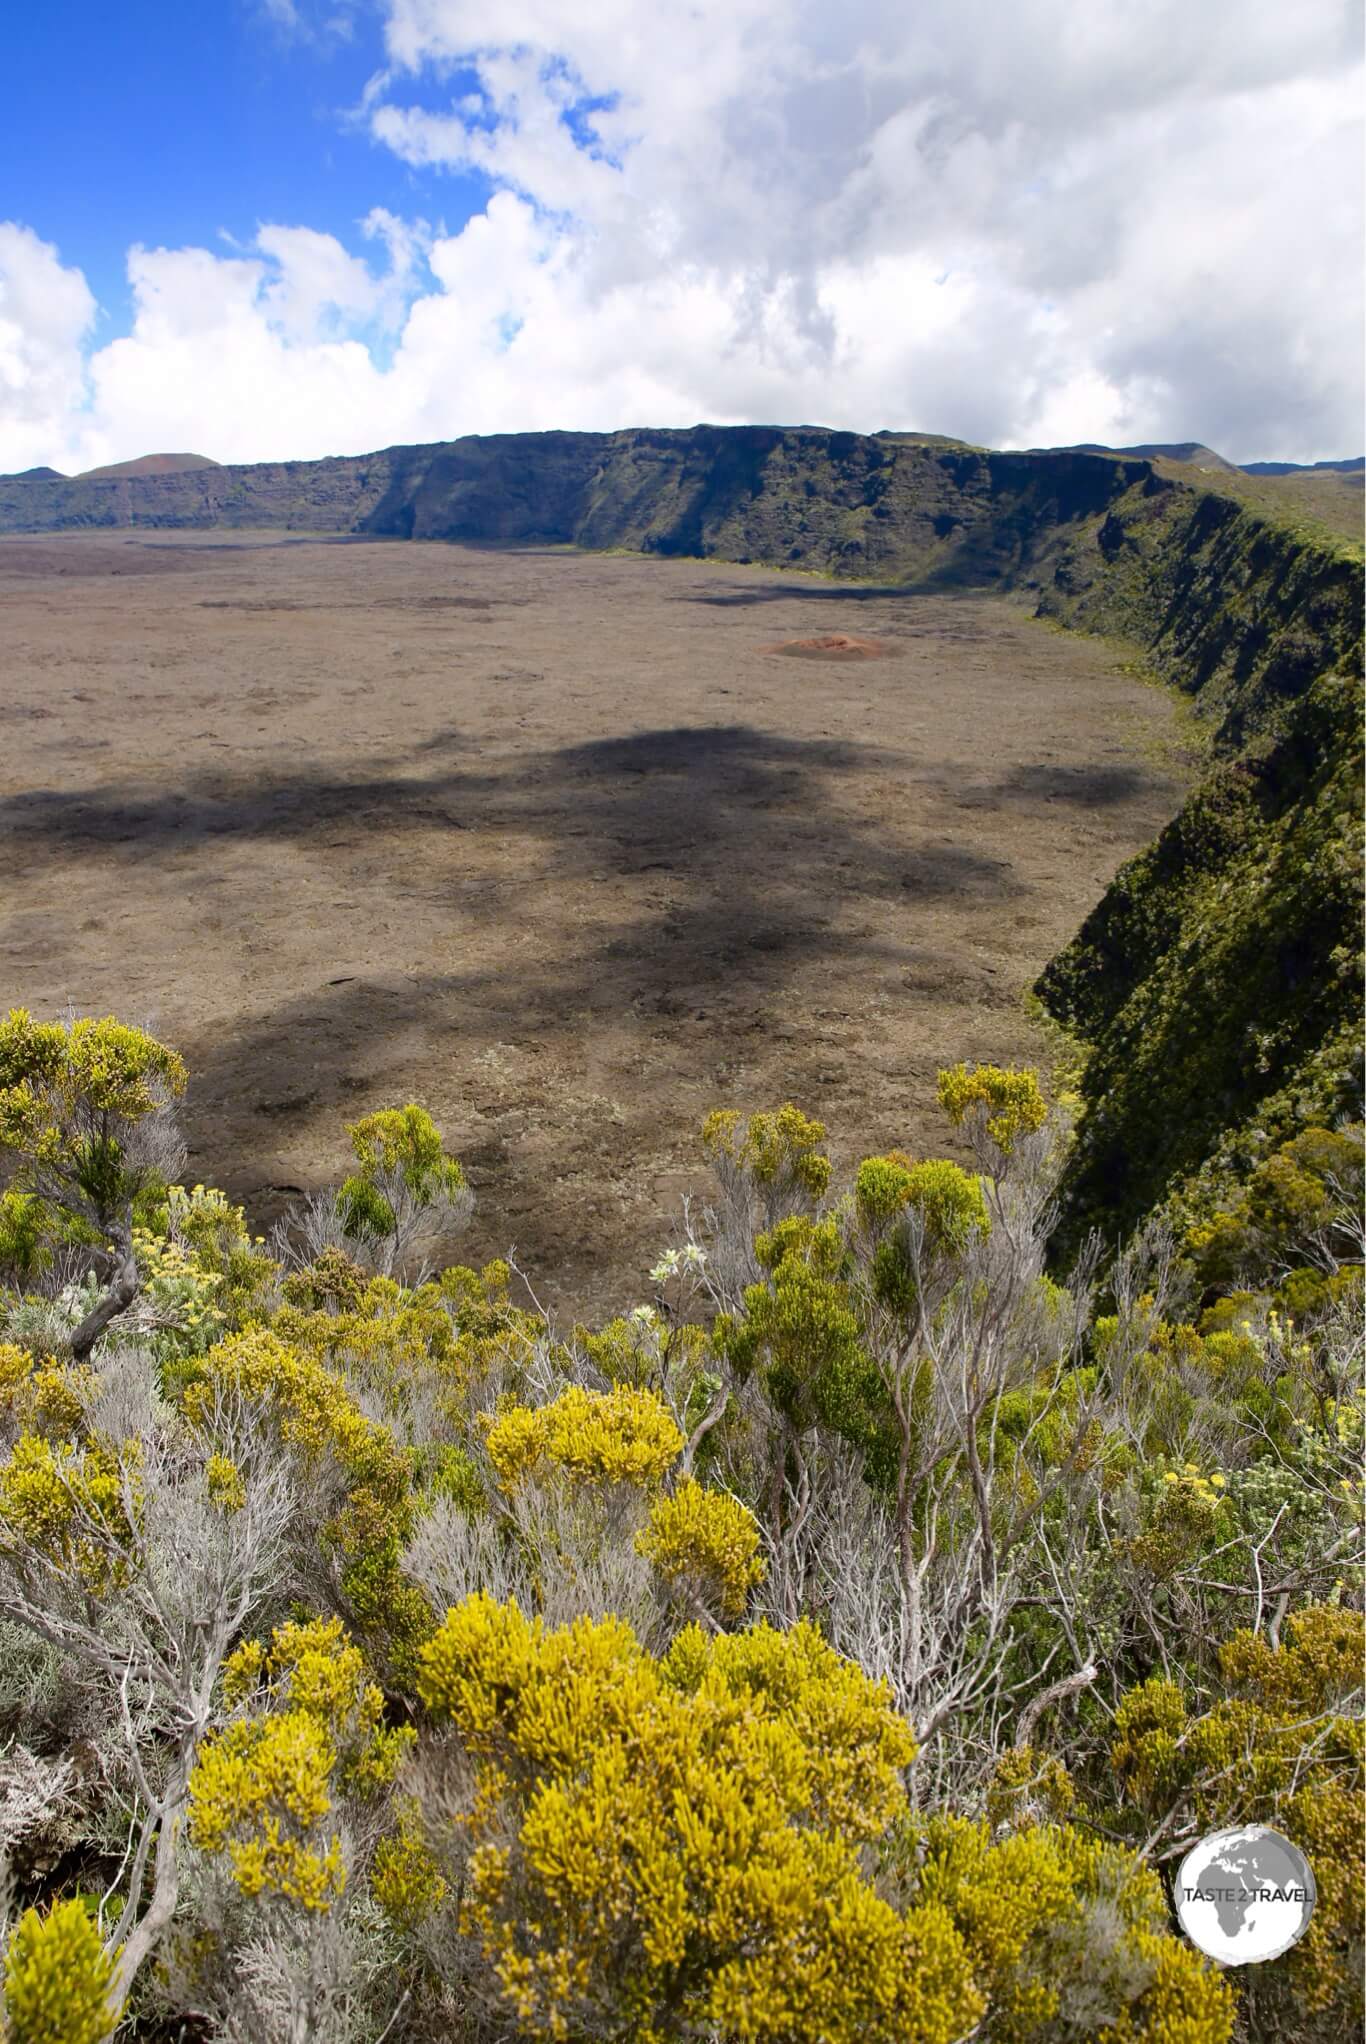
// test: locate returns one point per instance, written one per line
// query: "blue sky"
(168, 125)
(1022, 222)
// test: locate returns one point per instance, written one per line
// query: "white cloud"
(46, 312)
(1024, 224)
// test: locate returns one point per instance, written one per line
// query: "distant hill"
(35, 475)
(1354, 466)
(1192, 451)
(144, 465)
(1196, 455)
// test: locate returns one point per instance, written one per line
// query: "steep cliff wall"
(841, 502)
(1234, 608)
(1218, 979)
(339, 495)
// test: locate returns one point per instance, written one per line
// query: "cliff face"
(1214, 980)
(1234, 609)
(1218, 979)
(839, 502)
(338, 495)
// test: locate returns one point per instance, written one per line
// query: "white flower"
(643, 1316)
(667, 1267)
(695, 1255)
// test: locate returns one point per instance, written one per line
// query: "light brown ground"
(544, 841)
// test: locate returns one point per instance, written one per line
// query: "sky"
(280, 229)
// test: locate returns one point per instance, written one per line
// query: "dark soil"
(543, 840)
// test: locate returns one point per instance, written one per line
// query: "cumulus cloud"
(1023, 224)
(46, 311)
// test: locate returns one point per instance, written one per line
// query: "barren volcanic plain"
(551, 843)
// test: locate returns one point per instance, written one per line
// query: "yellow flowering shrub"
(378, 1326)
(332, 1283)
(58, 1979)
(215, 1232)
(43, 1396)
(801, 1334)
(1319, 1665)
(429, 1344)
(882, 1187)
(1028, 1786)
(707, 1544)
(315, 1668)
(313, 1408)
(262, 1787)
(259, 1793)
(53, 1074)
(24, 1228)
(405, 1877)
(672, 1843)
(778, 1150)
(225, 1482)
(1013, 1104)
(947, 1201)
(1284, 1748)
(1025, 1906)
(632, 1350)
(1186, 1513)
(180, 1292)
(317, 1416)
(70, 1504)
(623, 1435)
(399, 1156)
(479, 1298)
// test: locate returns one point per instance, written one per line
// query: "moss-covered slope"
(1236, 608)
(844, 503)
(1218, 979)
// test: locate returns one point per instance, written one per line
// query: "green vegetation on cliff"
(1218, 980)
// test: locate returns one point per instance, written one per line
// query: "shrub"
(58, 1980)
(705, 1545)
(1067, 1936)
(1009, 1103)
(359, 1479)
(262, 1788)
(780, 1150)
(83, 1107)
(658, 1846)
(405, 1187)
(617, 1436)
(1278, 1748)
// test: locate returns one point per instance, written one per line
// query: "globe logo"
(1245, 1896)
